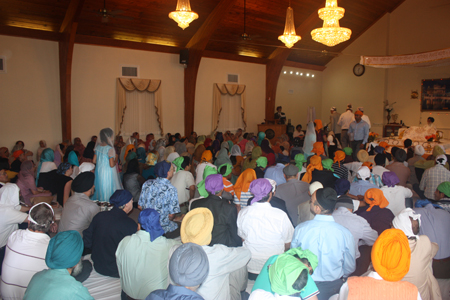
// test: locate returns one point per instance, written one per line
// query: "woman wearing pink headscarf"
(26, 182)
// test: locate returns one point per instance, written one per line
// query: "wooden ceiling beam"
(196, 46)
(68, 30)
(278, 59)
(30, 33)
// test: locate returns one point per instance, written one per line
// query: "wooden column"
(68, 30)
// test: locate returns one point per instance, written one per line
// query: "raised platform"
(428, 146)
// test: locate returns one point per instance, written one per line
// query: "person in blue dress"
(107, 179)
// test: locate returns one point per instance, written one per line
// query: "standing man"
(334, 119)
(344, 122)
(280, 115)
(333, 244)
(364, 117)
(359, 133)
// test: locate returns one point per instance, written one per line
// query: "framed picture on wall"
(435, 95)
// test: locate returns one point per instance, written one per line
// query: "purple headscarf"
(390, 179)
(149, 220)
(214, 183)
(342, 186)
(260, 188)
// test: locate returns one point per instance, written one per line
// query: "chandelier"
(289, 37)
(183, 15)
(331, 34)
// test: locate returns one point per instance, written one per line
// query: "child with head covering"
(395, 193)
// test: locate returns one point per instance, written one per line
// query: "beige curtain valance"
(131, 84)
(230, 89)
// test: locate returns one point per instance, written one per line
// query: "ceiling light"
(284, 72)
(301, 74)
(312, 75)
(289, 37)
(331, 34)
(183, 15)
(292, 72)
(296, 73)
(307, 74)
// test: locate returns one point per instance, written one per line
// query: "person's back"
(325, 177)
(24, 257)
(431, 178)
(360, 187)
(359, 288)
(293, 192)
(136, 255)
(276, 173)
(401, 170)
(78, 213)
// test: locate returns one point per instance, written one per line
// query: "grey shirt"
(293, 193)
(78, 213)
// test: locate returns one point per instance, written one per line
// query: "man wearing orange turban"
(376, 213)
(359, 133)
(391, 257)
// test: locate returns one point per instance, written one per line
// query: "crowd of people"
(321, 214)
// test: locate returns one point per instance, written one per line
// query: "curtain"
(239, 112)
(140, 114)
(127, 85)
(230, 116)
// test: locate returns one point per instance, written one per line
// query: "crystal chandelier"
(289, 37)
(331, 34)
(183, 15)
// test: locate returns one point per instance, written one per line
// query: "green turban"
(178, 162)
(327, 163)
(131, 155)
(64, 250)
(287, 268)
(228, 171)
(261, 162)
(299, 160)
(201, 185)
(348, 151)
(444, 188)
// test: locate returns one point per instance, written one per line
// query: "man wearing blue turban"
(63, 253)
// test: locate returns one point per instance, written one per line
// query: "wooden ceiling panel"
(148, 22)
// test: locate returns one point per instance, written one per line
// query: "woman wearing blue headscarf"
(46, 156)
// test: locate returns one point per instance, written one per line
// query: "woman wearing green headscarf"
(250, 162)
(299, 161)
(201, 185)
(288, 274)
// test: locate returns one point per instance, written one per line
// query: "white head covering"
(273, 183)
(333, 108)
(9, 196)
(236, 150)
(48, 166)
(314, 187)
(402, 222)
(172, 156)
(419, 150)
(106, 136)
(363, 173)
(441, 159)
(86, 167)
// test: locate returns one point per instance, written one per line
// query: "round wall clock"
(358, 70)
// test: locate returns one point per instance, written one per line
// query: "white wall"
(29, 93)
(295, 93)
(213, 71)
(415, 26)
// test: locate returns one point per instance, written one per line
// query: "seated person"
(25, 252)
(304, 209)
(106, 231)
(399, 168)
(188, 268)
(145, 250)
(434, 176)
(227, 276)
(242, 186)
(162, 196)
(206, 160)
(261, 165)
(183, 180)
(442, 196)
(79, 209)
(19, 157)
(276, 172)
(225, 170)
(287, 274)
(225, 230)
(363, 183)
(63, 253)
(395, 194)
(338, 165)
(418, 152)
(433, 220)
(274, 229)
(422, 252)
(380, 163)
(376, 213)
(27, 184)
(4, 167)
(391, 259)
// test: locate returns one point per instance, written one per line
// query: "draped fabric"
(425, 59)
(127, 85)
(228, 90)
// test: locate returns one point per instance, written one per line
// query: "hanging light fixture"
(331, 34)
(289, 37)
(183, 15)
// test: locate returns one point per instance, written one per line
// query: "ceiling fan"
(106, 14)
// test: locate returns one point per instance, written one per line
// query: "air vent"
(233, 78)
(130, 71)
(2, 64)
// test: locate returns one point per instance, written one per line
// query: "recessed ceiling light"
(301, 74)
(284, 72)
(307, 74)
(296, 73)
(292, 72)
(312, 75)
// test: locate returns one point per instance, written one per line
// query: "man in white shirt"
(265, 230)
(394, 193)
(344, 121)
(25, 252)
(380, 162)
(184, 181)
(227, 276)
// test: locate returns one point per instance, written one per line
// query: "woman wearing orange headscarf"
(320, 133)
(242, 186)
(379, 217)
(315, 163)
(318, 148)
(338, 165)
